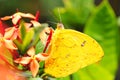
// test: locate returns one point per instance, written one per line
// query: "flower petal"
(37, 15)
(6, 18)
(1, 35)
(27, 25)
(23, 60)
(27, 15)
(43, 36)
(31, 51)
(10, 32)
(16, 19)
(42, 56)
(9, 44)
(35, 23)
(34, 67)
(10, 72)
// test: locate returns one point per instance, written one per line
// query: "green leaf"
(103, 27)
(35, 79)
(18, 44)
(75, 12)
(22, 30)
(42, 64)
(30, 38)
(64, 78)
(39, 47)
(119, 21)
(27, 40)
(4, 52)
(81, 75)
(95, 71)
(118, 50)
(37, 31)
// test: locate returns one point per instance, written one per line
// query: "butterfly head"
(60, 26)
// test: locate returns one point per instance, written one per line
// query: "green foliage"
(39, 47)
(26, 41)
(6, 54)
(102, 26)
(65, 78)
(118, 38)
(37, 30)
(22, 30)
(35, 79)
(119, 21)
(30, 38)
(75, 12)
(93, 72)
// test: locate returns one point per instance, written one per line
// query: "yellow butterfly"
(70, 51)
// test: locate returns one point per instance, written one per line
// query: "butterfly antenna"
(52, 22)
(51, 13)
(59, 15)
(60, 25)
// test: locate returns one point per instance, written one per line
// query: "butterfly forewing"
(69, 51)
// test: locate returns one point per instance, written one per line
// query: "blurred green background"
(97, 18)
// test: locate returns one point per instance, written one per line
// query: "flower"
(7, 43)
(8, 71)
(12, 33)
(18, 33)
(17, 16)
(32, 60)
(2, 27)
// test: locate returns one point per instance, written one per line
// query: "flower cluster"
(23, 38)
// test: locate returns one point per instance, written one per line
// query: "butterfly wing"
(69, 51)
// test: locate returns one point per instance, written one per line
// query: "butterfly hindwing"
(71, 50)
